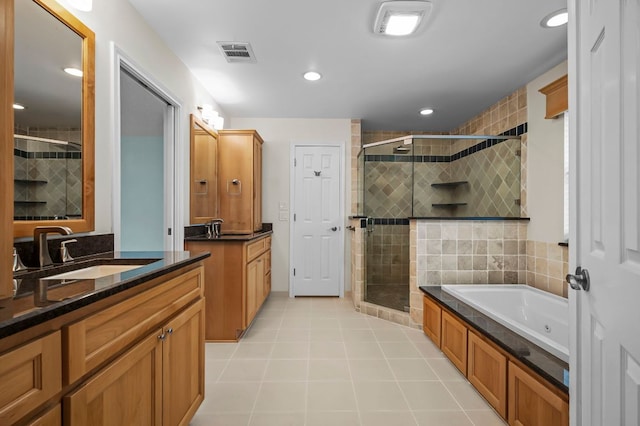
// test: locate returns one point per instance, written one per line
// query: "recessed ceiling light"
(400, 18)
(555, 19)
(312, 76)
(73, 71)
(18, 106)
(426, 111)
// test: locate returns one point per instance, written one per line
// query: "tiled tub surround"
(48, 177)
(465, 252)
(547, 267)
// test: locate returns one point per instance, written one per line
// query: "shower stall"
(428, 177)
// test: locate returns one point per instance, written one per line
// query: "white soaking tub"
(538, 316)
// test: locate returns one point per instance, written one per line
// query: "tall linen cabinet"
(240, 181)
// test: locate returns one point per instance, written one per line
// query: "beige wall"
(279, 135)
(545, 163)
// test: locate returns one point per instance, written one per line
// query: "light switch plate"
(284, 216)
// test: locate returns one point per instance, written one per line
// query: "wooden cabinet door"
(235, 181)
(533, 404)
(255, 285)
(204, 172)
(183, 365)
(53, 417)
(487, 371)
(431, 319)
(126, 392)
(257, 184)
(29, 376)
(454, 341)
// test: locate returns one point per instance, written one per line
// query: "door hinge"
(169, 231)
(295, 162)
(294, 272)
(294, 217)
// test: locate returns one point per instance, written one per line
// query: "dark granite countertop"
(467, 218)
(37, 301)
(539, 360)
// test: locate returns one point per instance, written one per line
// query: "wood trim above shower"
(557, 94)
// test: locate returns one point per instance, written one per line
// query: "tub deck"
(541, 361)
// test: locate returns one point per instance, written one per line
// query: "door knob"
(580, 280)
(334, 229)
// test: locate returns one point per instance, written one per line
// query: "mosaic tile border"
(488, 143)
(51, 155)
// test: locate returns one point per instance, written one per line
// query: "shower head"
(401, 149)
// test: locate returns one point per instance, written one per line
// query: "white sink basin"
(93, 272)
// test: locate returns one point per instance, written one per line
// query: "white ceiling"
(467, 55)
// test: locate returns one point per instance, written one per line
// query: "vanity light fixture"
(312, 76)
(18, 106)
(426, 111)
(400, 18)
(555, 19)
(73, 71)
(82, 5)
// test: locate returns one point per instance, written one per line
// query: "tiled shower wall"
(387, 255)
(56, 170)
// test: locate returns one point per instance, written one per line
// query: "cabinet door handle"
(170, 330)
(162, 336)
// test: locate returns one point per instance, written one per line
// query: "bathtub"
(538, 316)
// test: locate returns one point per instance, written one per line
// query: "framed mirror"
(53, 130)
(203, 172)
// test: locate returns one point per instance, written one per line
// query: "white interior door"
(605, 235)
(318, 235)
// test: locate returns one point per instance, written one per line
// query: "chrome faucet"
(40, 239)
(213, 230)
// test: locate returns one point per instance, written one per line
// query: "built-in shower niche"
(47, 177)
(439, 176)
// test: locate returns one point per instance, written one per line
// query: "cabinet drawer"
(487, 371)
(29, 376)
(97, 338)
(255, 248)
(454, 341)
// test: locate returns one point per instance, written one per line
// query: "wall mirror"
(203, 172)
(53, 136)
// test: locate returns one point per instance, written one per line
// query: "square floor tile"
(290, 350)
(244, 370)
(442, 418)
(321, 350)
(220, 419)
(331, 396)
(248, 350)
(370, 370)
(485, 418)
(412, 369)
(333, 418)
(387, 418)
(445, 370)
(277, 419)
(285, 370)
(404, 349)
(379, 396)
(329, 369)
(363, 350)
(428, 396)
(225, 397)
(466, 395)
(281, 396)
(219, 350)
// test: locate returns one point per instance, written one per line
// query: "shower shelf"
(448, 205)
(30, 181)
(449, 184)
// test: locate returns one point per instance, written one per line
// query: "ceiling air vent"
(237, 52)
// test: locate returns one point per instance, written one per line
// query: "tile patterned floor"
(317, 362)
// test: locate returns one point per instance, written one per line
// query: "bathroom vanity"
(80, 344)
(238, 281)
